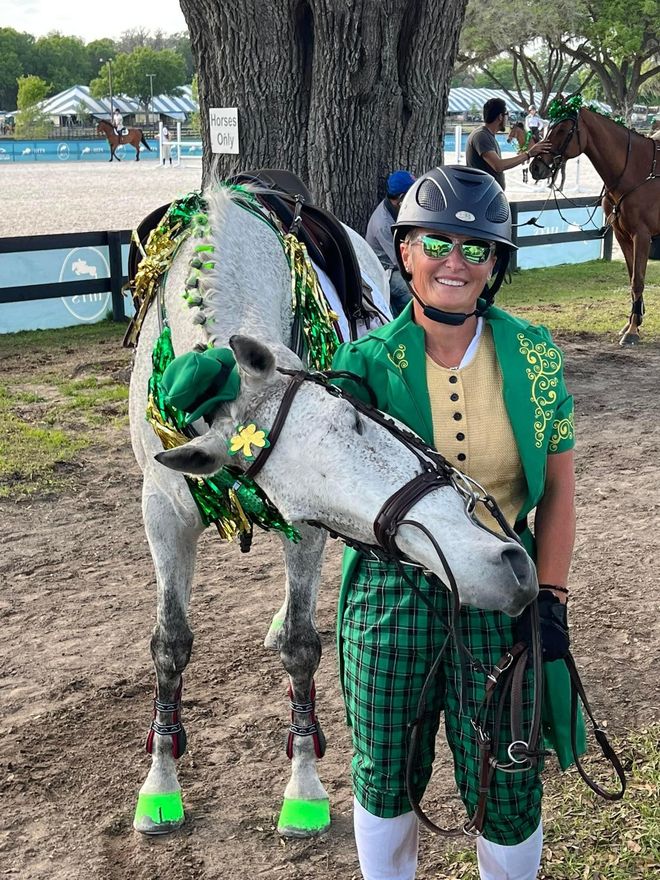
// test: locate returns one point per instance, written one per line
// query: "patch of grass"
(587, 838)
(590, 298)
(29, 455)
(47, 417)
(91, 393)
(80, 336)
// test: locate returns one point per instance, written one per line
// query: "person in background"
(165, 145)
(533, 123)
(483, 151)
(379, 236)
(117, 121)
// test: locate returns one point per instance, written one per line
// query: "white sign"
(81, 263)
(224, 129)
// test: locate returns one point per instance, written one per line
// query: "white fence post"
(458, 135)
(178, 143)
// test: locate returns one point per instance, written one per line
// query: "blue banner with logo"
(48, 267)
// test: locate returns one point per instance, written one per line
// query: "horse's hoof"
(629, 339)
(304, 818)
(158, 813)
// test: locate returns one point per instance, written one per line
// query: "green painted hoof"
(158, 813)
(304, 818)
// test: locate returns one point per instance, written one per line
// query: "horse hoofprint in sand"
(329, 465)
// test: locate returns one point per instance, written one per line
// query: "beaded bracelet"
(554, 587)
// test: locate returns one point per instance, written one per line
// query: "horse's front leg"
(172, 528)
(306, 807)
(641, 244)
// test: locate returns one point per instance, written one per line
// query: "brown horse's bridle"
(558, 154)
(509, 671)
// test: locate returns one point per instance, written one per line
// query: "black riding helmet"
(464, 201)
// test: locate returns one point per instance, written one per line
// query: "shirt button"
(453, 379)
(457, 417)
(461, 456)
(460, 436)
(454, 397)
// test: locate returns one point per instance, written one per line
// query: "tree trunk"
(342, 92)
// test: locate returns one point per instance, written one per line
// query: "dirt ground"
(77, 610)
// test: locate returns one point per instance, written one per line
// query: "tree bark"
(342, 92)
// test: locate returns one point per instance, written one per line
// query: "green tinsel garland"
(229, 499)
(568, 108)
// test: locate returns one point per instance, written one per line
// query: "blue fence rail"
(90, 267)
(582, 219)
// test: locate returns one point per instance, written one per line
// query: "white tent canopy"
(77, 100)
(463, 100)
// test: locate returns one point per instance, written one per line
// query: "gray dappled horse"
(330, 465)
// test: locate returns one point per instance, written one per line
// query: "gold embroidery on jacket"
(544, 364)
(399, 357)
(563, 429)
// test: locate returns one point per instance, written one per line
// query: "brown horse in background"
(134, 137)
(520, 134)
(629, 165)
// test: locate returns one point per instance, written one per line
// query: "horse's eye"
(359, 424)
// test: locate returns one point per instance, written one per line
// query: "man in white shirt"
(118, 121)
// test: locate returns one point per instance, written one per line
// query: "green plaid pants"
(389, 639)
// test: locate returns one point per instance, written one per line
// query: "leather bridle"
(558, 154)
(508, 673)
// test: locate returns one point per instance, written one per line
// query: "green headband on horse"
(561, 108)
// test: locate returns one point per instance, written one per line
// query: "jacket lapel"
(517, 393)
(406, 395)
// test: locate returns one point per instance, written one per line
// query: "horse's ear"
(254, 359)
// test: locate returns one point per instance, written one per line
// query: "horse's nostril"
(519, 561)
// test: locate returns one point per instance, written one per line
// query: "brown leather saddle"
(327, 241)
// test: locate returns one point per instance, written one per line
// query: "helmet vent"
(430, 197)
(498, 210)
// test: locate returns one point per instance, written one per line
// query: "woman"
(486, 389)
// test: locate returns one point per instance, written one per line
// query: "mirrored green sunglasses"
(438, 247)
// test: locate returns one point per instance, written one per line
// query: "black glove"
(553, 621)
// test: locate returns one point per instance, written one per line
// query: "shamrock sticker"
(245, 438)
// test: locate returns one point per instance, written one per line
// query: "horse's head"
(567, 140)
(331, 464)
(514, 131)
